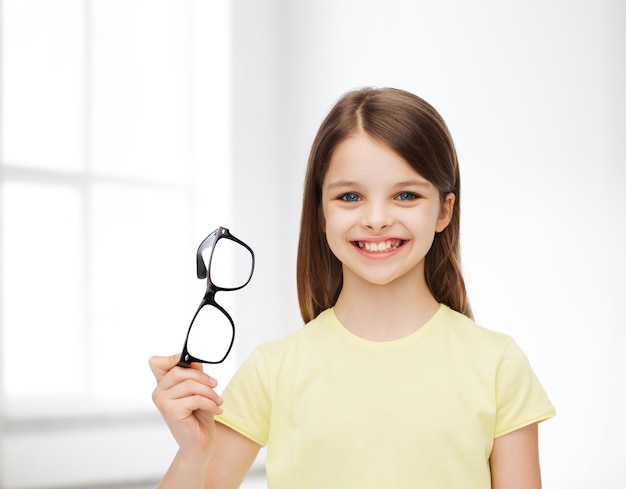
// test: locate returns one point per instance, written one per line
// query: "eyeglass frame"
(202, 271)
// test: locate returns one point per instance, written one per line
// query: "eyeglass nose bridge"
(209, 295)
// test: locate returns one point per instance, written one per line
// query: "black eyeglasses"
(229, 266)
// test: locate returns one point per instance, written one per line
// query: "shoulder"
(468, 331)
(478, 345)
(314, 332)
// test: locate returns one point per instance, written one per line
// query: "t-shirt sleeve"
(521, 399)
(247, 406)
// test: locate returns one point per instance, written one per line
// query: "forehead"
(361, 159)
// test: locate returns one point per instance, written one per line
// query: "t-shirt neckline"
(423, 330)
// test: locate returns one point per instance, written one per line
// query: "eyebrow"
(406, 183)
(414, 183)
(342, 183)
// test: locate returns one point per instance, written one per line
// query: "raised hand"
(187, 401)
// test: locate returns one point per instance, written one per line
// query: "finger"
(205, 405)
(161, 365)
(179, 374)
(185, 407)
(190, 388)
(179, 401)
(168, 392)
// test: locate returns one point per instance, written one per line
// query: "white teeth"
(379, 247)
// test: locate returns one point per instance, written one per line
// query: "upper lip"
(380, 242)
(377, 239)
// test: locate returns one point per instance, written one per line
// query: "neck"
(385, 312)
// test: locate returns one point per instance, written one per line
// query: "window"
(113, 123)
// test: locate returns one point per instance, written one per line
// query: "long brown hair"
(415, 131)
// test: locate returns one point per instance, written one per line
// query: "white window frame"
(107, 444)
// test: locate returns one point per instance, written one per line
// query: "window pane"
(140, 89)
(42, 273)
(143, 275)
(41, 82)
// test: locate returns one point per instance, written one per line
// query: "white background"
(534, 96)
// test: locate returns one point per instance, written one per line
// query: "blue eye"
(406, 196)
(350, 197)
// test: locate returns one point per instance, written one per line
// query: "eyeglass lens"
(211, 335)
(230, 265)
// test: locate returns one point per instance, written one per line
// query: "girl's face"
(380, 215)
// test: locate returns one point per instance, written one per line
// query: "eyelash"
(402, 196)
(350, 197)
(407, 195)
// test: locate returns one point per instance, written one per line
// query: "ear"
(446, 211)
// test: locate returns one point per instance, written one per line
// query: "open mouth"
(381, 246)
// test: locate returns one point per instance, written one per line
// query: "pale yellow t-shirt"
(338, 411)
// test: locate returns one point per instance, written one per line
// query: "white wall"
(533, 94)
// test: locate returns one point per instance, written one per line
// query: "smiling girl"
(390, 384)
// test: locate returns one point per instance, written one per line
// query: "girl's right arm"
(209, 454)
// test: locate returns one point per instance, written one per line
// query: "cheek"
(335, 221)
(334, 231)
(329, 221)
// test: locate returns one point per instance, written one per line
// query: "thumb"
(162, 365)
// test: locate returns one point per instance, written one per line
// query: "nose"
(376, 216)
